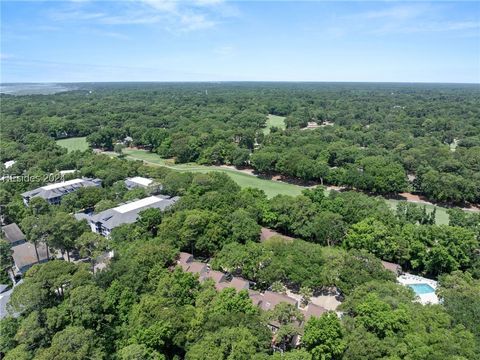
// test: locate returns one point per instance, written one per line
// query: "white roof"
(137, 204)
(140, 180)
(62, 184)
(63, 172)
(9, 163)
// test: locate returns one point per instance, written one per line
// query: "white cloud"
(191, 22)
(161, 5)
(208, 2)
(404, 19)
(172, 15)
(79, 15)
(404, 12)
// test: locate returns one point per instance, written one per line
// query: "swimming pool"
(421, 289)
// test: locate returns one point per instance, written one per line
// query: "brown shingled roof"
(239, 284)
(184, 266)
(196, 267)
(185, 258)
(221, 285)
(392, 267)
(255, 296)
(24, 255)
(313, 310)
(216, 276)
(267, 233)
(272, 299)
(13, 233)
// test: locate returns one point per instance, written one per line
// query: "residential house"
(53, 193)
(395, 268)
(218, 277)
(25, 256)
(184, 259)
(256, 297)
(138, 181)
(272, 299)
(266, 301)
(13, 234)
(141, 182)
(239, 284)
(195, 267)
(269, 301)
(67, 172)
(104, 222)
(9, 164)
(266, 233)
(313, 310)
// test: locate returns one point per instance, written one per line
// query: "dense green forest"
(385, 138)
(143, 307)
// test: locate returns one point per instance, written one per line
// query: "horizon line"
(239, 81)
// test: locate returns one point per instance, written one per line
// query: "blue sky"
(215, 40)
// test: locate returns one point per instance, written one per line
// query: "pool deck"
(409, 279)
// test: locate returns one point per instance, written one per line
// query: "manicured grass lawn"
(270, 187)
(75, 143)
(274, 121)
(441, 215)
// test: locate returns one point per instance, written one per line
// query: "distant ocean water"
(34, 89)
